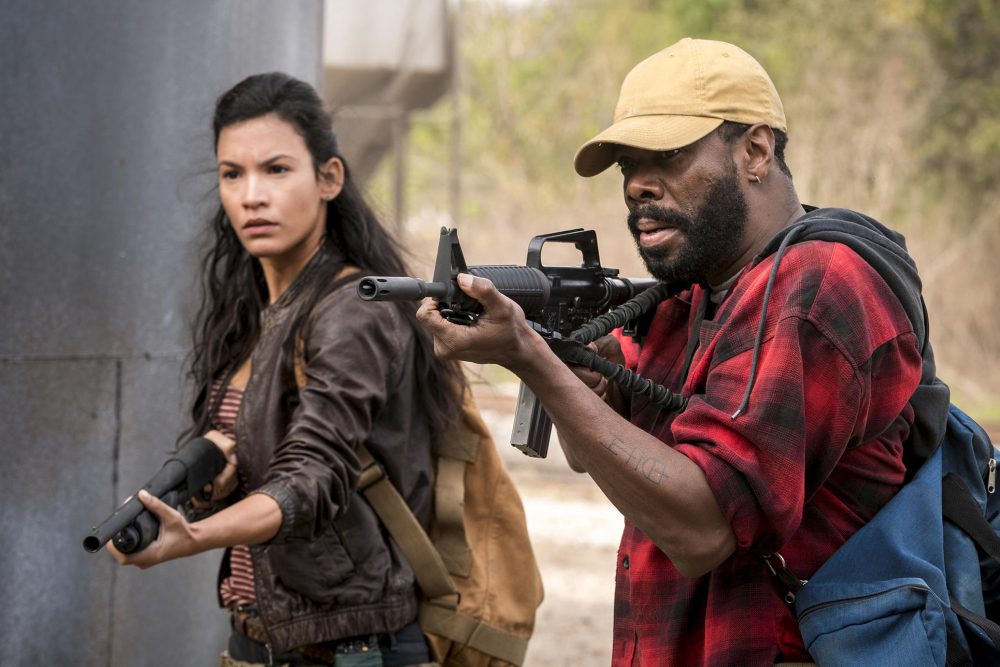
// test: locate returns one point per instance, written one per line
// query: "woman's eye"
(230, 174)
(277, 169)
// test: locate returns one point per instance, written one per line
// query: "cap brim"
(652, 133)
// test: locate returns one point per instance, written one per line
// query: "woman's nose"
(254, 194)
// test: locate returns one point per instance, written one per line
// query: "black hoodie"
(885, 250)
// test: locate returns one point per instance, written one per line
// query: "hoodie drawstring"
(759, 339)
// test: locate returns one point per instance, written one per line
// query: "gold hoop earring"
(756, 177)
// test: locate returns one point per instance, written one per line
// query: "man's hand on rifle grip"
(500, 335)
(609, 348)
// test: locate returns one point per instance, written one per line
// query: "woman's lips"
(257, 227)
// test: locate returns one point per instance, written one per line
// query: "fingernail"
(143, 494)
(464, 280)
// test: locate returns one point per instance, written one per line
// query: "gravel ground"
(575, 533)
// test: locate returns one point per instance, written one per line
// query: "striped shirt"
(238, 587)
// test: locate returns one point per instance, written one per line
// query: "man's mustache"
(653, 212)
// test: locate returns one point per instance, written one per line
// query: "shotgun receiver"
(132, 527)
(557, 301)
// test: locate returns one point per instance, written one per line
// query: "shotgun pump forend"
(132, 527)
(569, 306)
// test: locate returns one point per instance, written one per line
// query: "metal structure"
(382, 60)
(106, 178)
(106, 173)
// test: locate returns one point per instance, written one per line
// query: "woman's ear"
(331, 178)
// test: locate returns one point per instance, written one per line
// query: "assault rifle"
(132, 527)
(557, 301)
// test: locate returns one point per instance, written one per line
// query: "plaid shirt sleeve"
(837, 365)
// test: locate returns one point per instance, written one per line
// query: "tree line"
(893, 109)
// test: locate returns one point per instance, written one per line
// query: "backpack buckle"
(370, 474)
(791, 583)
(448, 602)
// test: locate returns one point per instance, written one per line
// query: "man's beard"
(710, 240)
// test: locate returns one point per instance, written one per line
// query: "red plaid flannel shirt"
(814, 456)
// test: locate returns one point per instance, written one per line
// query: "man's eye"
(667, 155)
(625, 164)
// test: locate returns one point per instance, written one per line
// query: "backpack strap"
(439, 614)
(398, 518)
(467, 630)
(454, 454)
(960, 508)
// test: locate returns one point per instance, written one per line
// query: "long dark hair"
(234, 290)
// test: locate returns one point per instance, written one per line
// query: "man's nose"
(644, 184)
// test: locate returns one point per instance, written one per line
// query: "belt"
(247, 622)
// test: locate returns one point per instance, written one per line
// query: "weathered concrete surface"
(105, 175)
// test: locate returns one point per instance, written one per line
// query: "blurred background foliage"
(893, 110)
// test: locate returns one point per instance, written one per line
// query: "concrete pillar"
(106, 175)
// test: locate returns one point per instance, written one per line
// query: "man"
(800, 363)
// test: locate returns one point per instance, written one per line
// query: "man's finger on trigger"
(427, 307)
(429, 316)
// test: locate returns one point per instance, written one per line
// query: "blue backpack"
(920, 583)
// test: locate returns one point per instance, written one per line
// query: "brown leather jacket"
(331, 571)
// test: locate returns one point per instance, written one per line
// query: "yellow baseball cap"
(680, 94)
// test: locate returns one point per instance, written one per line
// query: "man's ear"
(331, 178)
(758, 142)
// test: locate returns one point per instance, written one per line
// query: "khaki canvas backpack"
(476, 570)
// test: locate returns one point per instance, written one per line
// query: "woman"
(293, 371)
